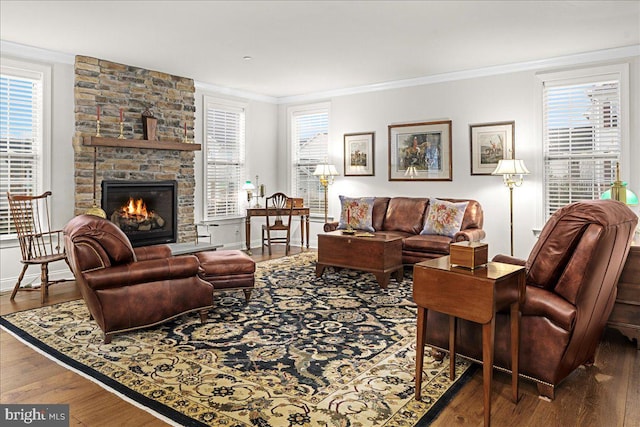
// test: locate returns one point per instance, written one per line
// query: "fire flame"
(135, 208)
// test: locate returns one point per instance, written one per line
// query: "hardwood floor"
(603, 395)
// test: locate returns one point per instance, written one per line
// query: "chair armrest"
(506, 259)
(331, 226)
(543, 303)
(152, 252)
(469, 234)
(143, 272)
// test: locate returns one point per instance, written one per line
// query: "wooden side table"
(625, 316)
(474, 295)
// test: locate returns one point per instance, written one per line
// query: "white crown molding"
(582, 58)
(35, 53)
(208, 87)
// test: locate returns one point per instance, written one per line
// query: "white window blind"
(582, 138)
(21, 137)
(310, 140)
(225, 158)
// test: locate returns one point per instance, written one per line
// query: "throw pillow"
(358, 211)
(444, 218)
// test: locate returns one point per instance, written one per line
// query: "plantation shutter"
(225, 158)
(21, 137)
(309, 134)
(582, 138)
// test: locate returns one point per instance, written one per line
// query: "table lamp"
(326, 172)
(619, 191)
(512, 172)
(249, 187)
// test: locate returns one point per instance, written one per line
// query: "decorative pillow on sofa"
(358, 211)
(444, 218)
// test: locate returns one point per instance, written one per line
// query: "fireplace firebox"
(145, 210)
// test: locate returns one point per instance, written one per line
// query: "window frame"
(293, 111)
(228, 105)
(42, 72)
(576, 76)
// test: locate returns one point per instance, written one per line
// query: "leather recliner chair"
(126, 288)
(572, 275)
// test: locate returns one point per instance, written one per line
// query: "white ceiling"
(303, 47)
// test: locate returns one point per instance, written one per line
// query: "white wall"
(495, 98)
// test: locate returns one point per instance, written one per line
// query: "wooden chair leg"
(17, 286)
(203, 316)
(44, 282)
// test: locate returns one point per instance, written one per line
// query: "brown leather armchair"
(572, 273)
(126, 288)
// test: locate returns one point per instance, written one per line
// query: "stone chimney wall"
(171, 99)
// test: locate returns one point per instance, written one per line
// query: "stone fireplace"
(117, 87)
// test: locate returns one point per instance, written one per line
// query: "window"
(310, 146)
(23, 140)
(224, 157)
(583, 128)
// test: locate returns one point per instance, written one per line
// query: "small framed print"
(358, 154)
(491, 142)
(420, 151)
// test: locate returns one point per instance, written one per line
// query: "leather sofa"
(572, 275)
(126, 288)
(405, 216)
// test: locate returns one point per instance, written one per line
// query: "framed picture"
(420, 151)
(358, 154)
(491, 142)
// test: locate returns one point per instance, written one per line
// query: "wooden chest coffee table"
(380, 254)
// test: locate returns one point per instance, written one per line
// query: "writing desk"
(300, 211)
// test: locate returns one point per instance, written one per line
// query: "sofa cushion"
(358, 211)
(444, 218)
(405, 214)
(429, 243)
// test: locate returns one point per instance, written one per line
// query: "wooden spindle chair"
(38, 243)
(278, 221)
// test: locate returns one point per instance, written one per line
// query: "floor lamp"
(326, 172)
(512, 172)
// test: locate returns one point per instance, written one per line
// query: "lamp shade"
(632, 199)
(325, 169)
(510, 167)
(248, 185)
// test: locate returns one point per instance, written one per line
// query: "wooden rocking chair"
(38, 243)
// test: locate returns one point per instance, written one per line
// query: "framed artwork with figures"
(358, 154)
(420, 151)
(491, 142)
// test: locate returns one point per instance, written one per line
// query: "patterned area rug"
(330, 351)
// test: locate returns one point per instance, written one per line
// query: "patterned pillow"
(444, 218)
(359, 211)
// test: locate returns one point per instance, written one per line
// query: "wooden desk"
(304, 223)
(474, 295)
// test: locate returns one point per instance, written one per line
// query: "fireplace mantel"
(94, 141)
